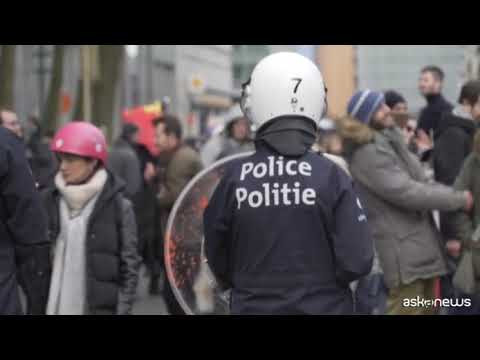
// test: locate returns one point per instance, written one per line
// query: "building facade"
(398, 67)
(246, 57)
(203, 81)
(347, 68)
(337, 63)
(197, 80)
(472, 62)
(33, 73)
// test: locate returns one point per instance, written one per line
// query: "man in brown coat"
(183, 162)
(182, 165)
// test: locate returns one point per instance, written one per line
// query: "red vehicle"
(143, 117)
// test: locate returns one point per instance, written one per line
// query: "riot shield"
(192, 282)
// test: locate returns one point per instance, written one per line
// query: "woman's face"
(76, 169)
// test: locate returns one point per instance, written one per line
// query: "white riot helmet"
(284, 84)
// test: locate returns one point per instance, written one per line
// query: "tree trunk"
(52, 108)
(7, 76)
(78, 114)
(78, 110)
(111, 59)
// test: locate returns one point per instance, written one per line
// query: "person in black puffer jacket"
(88, 214)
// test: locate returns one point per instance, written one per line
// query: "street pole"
(149, 79)
(87, 83)
(41, 71)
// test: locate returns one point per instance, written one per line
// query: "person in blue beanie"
(398, 200)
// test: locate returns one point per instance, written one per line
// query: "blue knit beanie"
(364, 104)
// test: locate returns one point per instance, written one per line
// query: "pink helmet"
(82, 139)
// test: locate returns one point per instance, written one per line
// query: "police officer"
(284, 229)
(24, 245)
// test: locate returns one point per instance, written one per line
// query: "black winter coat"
(144, 203)
(453, 143)
(124, 162)
(43, 163)
(112, 255)
(431, 115)
(287, 256)
(24, 246)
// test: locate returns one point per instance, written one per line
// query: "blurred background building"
(398, 66)
(33, 73)
(382, 67)
(245, 57)
(472, 61)
(195, 82)
(199, 83)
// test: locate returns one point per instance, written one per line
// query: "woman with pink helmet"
(92, 227)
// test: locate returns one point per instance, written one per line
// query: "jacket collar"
(434, 98)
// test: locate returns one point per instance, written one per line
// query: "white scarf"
(68, 286)
(77, 196)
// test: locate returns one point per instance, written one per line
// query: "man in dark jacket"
(42, 161)
(124, 162)
(430, 86)
(150, 246)
(453, 144)
(285, 230)
(10, 121)
(24, 247)
(454, 138)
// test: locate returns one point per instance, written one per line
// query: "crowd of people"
(69, 193)
(79, 217)
(416, 181)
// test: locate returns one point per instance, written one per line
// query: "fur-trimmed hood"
(354, 135)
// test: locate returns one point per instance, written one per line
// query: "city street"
(146, 304)
(259, 179)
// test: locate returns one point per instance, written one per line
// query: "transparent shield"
(192, 281)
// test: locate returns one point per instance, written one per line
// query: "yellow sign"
(155, 108)
(197, 84)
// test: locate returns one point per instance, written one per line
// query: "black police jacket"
(24, 246)
(287, 235)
